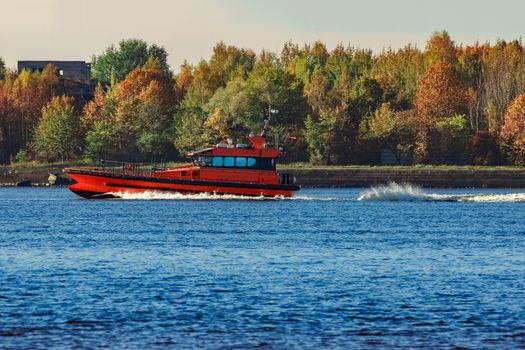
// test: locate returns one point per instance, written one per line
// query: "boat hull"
(94, 184)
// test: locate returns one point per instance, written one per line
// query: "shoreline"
(327, 176)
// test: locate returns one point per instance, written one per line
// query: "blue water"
(399, 268)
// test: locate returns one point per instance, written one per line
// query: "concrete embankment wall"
(9, 176)
(325, 177)
(340, 177)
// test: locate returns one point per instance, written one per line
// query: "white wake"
(159, 195)
(394, 192)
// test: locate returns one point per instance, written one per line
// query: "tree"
(447, 140)
(226, 63)
(441, 93)
(183, 81)
(394, 130)
(398, 73)
(134, 118)
(503, 78)
(512, 133)
(22, 97)
(116, 63)
(440, 47)
(56, 136)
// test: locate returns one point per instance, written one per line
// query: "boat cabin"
(229, 162)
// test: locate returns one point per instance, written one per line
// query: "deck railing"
(127, 168)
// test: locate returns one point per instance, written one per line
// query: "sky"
(188, 29)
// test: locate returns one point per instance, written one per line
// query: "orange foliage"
(94, 109)
(145, 83)
(441, 93)
(21, 102)
(183, 81)
(513, 131)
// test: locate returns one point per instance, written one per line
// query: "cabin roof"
(237, 152)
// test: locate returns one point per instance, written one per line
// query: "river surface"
(382, 268)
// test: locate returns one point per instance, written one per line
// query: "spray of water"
(393, 192)
(410, 193)
(158, 195)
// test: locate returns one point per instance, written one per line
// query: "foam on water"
(410, 193)
(394, 192)
(158, 195)
(493, 197)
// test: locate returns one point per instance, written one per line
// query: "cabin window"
(217, 161)
(266, 163)
(204, 161)
(250, 162)
(240, 162)
(229, 161)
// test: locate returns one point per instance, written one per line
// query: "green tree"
(56, 136)
(394, 130)
(102, 141)
(188, 122)
(447, 140)
(398, 73)
(117, 62)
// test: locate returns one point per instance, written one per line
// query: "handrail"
(127, 168)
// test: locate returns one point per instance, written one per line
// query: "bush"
(22, 156)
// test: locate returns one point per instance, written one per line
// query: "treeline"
(447, 104)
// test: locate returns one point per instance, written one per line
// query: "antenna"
(267, 119)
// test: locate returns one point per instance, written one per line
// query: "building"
(75, 76)
(78, 71)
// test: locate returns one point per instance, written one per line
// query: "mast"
(267, 119)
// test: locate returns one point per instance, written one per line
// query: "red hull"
(100, 184)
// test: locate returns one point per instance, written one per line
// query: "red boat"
(224, 169)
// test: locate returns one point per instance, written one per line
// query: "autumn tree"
(132, 120)
(117, 62)
(227, 62)
(183, 81)
(503, 78)
(441, 93)
(440, 47)
(22, 97)
(57, 136)
(190, 116)
(512, 132)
